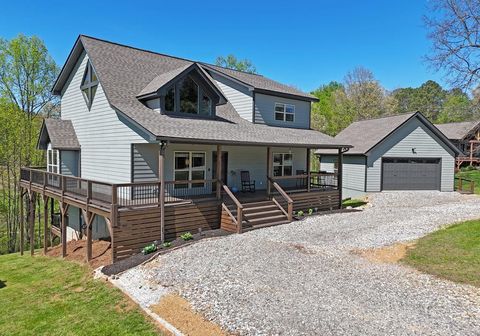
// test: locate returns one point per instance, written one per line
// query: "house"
(150, 146)
(466, 137)
(402, 152)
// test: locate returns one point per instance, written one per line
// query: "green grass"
(452, 253)
(46, 296)
(354, 203)
(471, 175)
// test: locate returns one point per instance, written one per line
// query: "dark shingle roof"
(366, 134)
(162, 79)
(61, 134)
(458, 130)
(124, 72)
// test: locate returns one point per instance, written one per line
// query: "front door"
(224, 166)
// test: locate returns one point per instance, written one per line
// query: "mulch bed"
(137, 259)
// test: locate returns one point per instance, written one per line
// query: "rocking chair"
(247, 184)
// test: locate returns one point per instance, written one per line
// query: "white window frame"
(190, 169)
(284, 112)
(51, 166)
(281, 165)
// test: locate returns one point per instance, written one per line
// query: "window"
(187, 96)
(282, 164)
(89, 85)
(53, 161)
(284, 112)
(189, 166)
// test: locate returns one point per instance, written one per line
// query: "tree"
(27, 73)
(428, 99)
(231, 62)
(365, 93)
(454, 29)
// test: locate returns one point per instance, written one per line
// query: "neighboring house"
(466, 137)
(150, 146)
(402, 152)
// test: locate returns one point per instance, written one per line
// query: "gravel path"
(302, 279)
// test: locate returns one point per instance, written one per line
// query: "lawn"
(46, 296)
(452, 253)
(471, 175)
(354, 203)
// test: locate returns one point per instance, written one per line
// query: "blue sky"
(302, 43)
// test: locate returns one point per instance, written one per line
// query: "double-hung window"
(282, 164)
(189, 166)
(284, 112)
(53, 161)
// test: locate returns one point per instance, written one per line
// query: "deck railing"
(123, 194)
(230, 197)
(289, 211)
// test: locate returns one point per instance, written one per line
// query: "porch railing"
(464, 185)
(315, 181)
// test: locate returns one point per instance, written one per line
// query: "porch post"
(161, 177)
(219, 171)
(45, 224)
(309, 181)
(340, 176)
(269, 169)
(63, 210)
(31, 219)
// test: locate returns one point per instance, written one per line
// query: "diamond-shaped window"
(89, 84)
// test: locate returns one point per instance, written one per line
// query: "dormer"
(185, 91)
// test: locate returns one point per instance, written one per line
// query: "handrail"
(229, 213)
(282, 192)
(239, 207)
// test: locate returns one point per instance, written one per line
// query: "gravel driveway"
(302, 279)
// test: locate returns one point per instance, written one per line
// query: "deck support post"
(22, 221)
(340, 177)
(219, 172)
(88, 217)
(309, 181)
(63, 211)
(31, 220)
(269, 169)
(161, 177)
(45, 224)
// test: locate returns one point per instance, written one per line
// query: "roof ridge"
(384, 117)
(166, 55)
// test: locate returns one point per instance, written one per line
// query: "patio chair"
(247, 184)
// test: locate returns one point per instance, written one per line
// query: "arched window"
(89, 84)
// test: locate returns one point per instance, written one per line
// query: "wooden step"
(256, 204)
(259, 226)
(267, 219)
(267, 213)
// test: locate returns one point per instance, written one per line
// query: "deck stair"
(260, 213)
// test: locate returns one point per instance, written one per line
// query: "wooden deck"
(134, 212)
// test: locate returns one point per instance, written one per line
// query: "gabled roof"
(60, 133)
(260, 83)
(365, 135)
(124, 71)
(458, 130)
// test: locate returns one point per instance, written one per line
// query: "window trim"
(51, 165)
(284, 112)
(89, 70)
(282, 165)
(190, 169)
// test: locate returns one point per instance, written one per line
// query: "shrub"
(468, 168)
(300, 213)
(167, 244)
(310, 211)
(149, 249)
(186, 236)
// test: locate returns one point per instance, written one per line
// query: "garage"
(411, 174)
(402, 152)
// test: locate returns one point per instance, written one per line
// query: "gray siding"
(353, 179)
(69, 162)
(411, 135)
(265, 111)
(105, 139)
(145, 162)
(154, 104)
(238, 95)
